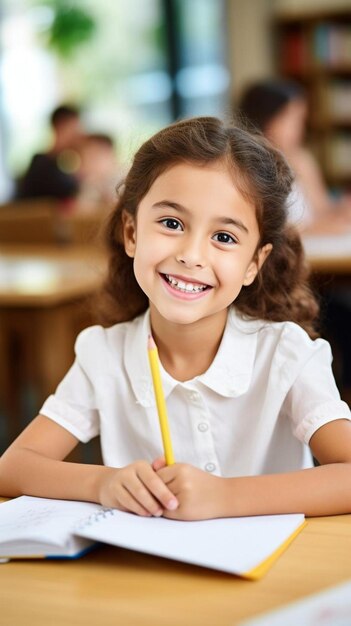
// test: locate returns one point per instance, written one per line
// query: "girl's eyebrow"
(172, 205)
(226, 221)
(229, 221)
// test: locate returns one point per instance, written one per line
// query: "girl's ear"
(257, 263)
(129, 233)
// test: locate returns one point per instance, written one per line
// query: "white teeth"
(185, 287)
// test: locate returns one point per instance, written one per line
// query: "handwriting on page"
(23, 515)
(31, 517)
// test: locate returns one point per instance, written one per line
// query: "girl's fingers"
(158, 489)
(136, 489)
(158, 463)
(140, 490)
(126, 502)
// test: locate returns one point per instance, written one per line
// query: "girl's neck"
(187, 350)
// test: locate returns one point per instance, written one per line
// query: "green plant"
(71, 26)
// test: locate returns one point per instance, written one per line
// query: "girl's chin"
(183, 317)
(180, 320)
(175, 317)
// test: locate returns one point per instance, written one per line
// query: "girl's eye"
(224, 238)
(171, 223)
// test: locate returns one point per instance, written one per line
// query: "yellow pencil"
(160, 400)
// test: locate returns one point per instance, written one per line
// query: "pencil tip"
(150, 343)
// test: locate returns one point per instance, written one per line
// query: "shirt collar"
(137, 363)
(231, 371)
(229, 375)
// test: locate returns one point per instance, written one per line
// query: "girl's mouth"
(184, 287)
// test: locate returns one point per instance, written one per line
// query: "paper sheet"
(328, 608)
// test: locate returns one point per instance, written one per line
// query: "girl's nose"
(191, 254)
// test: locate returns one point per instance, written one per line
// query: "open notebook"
(247, 546)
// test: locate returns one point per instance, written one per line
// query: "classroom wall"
(250, 49)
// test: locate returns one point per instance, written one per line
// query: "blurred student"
(278, 108)
(53, 173)
(99, 173)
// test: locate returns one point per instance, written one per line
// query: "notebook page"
(44, 520)
(234, 545)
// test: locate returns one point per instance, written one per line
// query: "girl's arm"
(324, 490)
(34, 465)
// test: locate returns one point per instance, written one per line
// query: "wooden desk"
(47, 221)
(116, 587)
(44, 303)
(329, 254)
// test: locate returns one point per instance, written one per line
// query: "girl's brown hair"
(280, 292)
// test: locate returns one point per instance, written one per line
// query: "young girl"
(202, 258)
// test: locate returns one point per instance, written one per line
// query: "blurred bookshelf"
(315, 50)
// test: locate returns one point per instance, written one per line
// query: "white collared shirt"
(269, 388)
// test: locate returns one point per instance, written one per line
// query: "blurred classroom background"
(126, 69)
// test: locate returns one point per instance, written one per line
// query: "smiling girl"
(202, 258)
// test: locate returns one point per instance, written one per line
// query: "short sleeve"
(314, 399)
(73, 405)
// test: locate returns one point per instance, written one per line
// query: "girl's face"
(193, 243)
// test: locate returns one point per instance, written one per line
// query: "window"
(145, 63)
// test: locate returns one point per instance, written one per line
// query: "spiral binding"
(94, 518)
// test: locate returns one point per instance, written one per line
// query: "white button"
(210, 467)
(202, 427)
(194, 396)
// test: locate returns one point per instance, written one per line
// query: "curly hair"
(280, 292)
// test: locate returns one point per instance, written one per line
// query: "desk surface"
(329, 254)
(48, 275)
(112, 586)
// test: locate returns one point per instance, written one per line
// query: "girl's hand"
(136, 488)
(199, 494)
